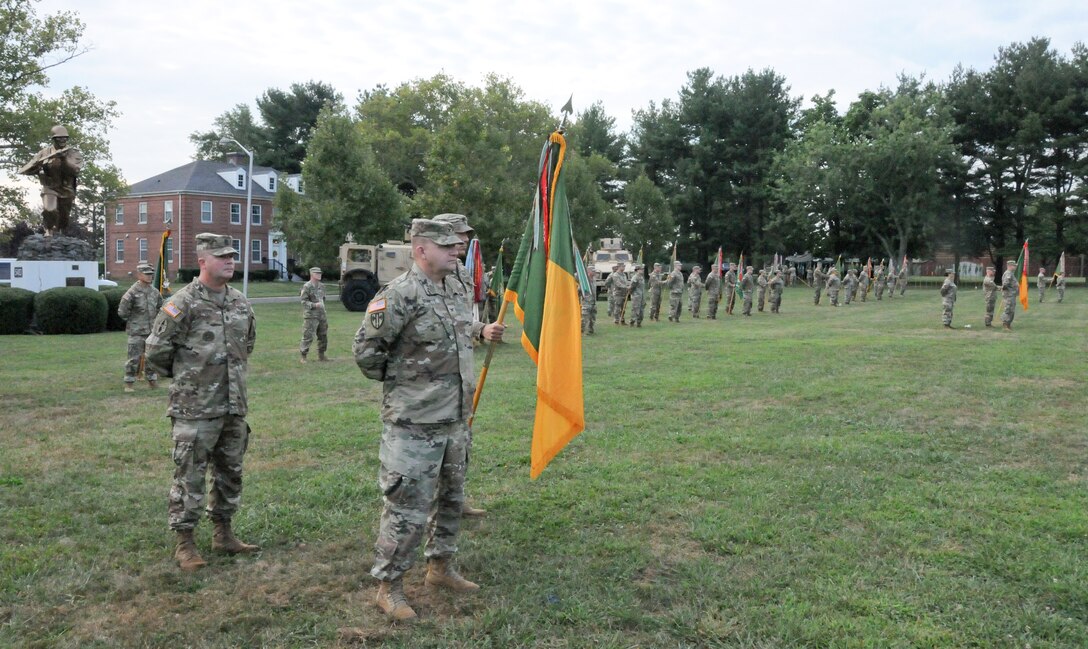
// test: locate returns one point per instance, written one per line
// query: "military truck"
(364, 269)
(609, 253)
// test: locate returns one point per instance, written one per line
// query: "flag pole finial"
(567, 110)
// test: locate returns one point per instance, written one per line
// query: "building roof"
(200, 177)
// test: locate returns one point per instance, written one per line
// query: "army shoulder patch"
(171, 309)
(376, 305)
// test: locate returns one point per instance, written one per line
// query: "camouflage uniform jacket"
(948, 291)
(313, 294)
(638, 285)
(730, 280)
(617, 284)
(850, 282)
(761, 281)
(1009, 286)
(775, 285)
(138, 307)
(675, 282)
(416, 338)
(989, 287)
(713, 285)
(747, 285)
(657, 280)
(1041, 281)
(204, 342)
(695, 283)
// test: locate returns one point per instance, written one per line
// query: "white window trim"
(255, 247)
(142, 217)
(210, 211)
(119, 251)
(255, 215)
(142, 243)
(168, 211)
(233, 212)
(237, 245)
(119, 215)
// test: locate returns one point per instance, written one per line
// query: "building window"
(119, 215)
(168, 211)
(236, 213)
(120, 246)
(143, 251)
(255, 251)
(237, 245)
(168, 255)
(256, 214)
(143, 213)
(205, 211)
(241, 180)
(271, 183)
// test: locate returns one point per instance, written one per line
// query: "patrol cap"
(657, 264)
(217, 245)
(315, 269)
(1010, 263)
(696, 267)
(459, 223)
(640, 266)
(146, 269)
(989, 268)
(435, 230)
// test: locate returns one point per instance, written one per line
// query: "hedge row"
(186, 275)
(65, 310)
(16, 310)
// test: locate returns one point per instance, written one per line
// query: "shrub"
(71, 310)
(186, 275)
(114, 322)
(16, 310)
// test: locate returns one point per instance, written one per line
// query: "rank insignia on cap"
(376, 305)
(377, 319)
(171, 310)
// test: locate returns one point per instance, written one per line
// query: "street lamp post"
(247, 249)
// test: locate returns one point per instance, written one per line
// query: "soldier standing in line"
(657, 281)
(675, 283)
(891, 285)
(138, 308)
(948, 298)
(851, 285)
(617, 285)
(1059, 283)
(638, 295)
(613, 308)
(775, 286)
(833, 286)
(713, 286)
(791, 276)
(819, 280)
(729, 286)
(1040, 283)
(202, 337)
(417, 338)
(989, 294)
(314, 319)
(901, 282)
(747, 288)
(589, 303)
(761, 289)
(878, 282)
(695, 290)
(1010, 289)
(863, 285)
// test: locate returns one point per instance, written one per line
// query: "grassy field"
(851, 477)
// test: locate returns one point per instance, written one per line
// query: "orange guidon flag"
(1022, 274)
(543, 287)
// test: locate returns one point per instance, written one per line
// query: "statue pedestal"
(37, 247)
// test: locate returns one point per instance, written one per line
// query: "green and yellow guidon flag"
(162, 269)
(1022, 275)
(543, 288)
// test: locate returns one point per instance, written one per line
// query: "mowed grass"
(851, 477)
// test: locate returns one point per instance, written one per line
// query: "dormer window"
(241, 180)
(271, 183)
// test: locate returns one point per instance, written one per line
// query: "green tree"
(346, 191)
(647, 223)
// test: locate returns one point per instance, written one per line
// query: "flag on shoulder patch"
(171, 309)
(376, 305)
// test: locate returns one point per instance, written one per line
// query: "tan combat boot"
(474, 512)
(223, 540)
(302, 358)
(441, 573)
(391, 600)
(152, 384)
(186, 554)
(129, 387)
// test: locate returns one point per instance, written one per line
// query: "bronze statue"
(56, 167)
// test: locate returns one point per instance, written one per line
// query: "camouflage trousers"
(1042, 294)
(747, 303)
(611, 304)
(638, 308)
(991, 301)
(864, 292)
(833, 295)
(222, 442)
(619, 303)
(712, 301)
(891, 290)
(589, 314)
(132, 365)
(776, 301)
(655, 304)
(1061, 294)
(695, 301)
(422, 478)
(674, 305)
(761, 298)
(312, 326)
(1008, 309)
(816, 295)
(849, 295)
(880, 291)
(946, 311)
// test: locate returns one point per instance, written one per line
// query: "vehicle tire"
(358, 292)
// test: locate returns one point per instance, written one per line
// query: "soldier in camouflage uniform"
(791, 276)
(613, 309)
(1010, 289)
(657, 281)
(850, 283)
(417, 338)
(1059, 283)
(878, 283)
(314, 319)
(675, 283)
(637, 292)
(617, 285)
(747, 287)
(775, 287)
(1040, 283)
(819, 280)
(901, 281)
(948, 298)
(713, 287)
(833, 286)
(989, 294)
(863, 284)
(729, 288)
(695, 290)
(139, 306)
(761, 290)
(202, 337)
(589, 303)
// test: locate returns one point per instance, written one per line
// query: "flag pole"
(487, 363)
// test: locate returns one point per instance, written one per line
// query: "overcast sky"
(173, 67)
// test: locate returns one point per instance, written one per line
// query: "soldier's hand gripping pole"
(487, 364)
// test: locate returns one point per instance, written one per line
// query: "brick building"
(202, 196)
